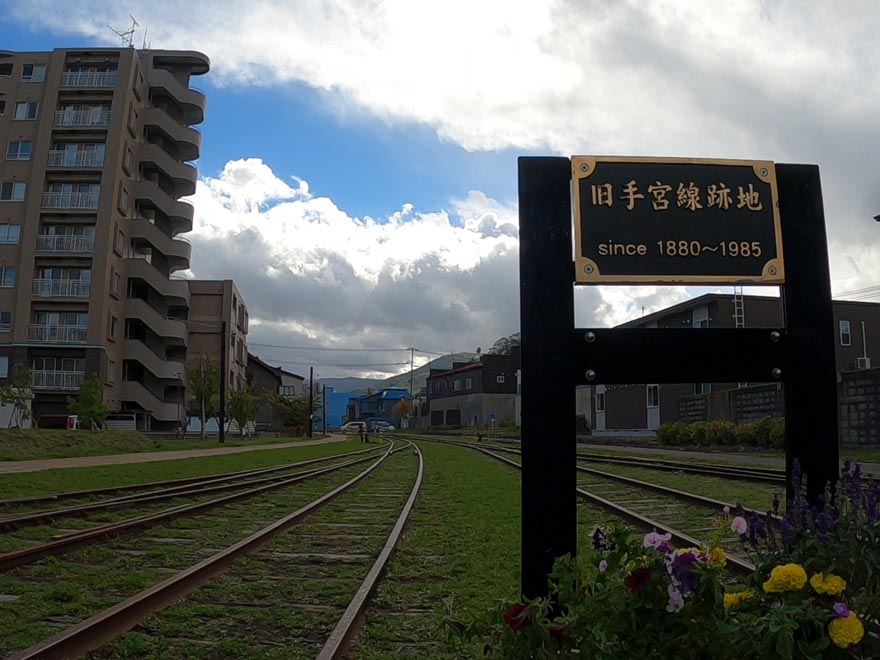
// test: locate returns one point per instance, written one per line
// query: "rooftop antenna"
(146, 44)
(127, 36)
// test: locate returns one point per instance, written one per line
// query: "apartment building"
(97, 145)
(211, 302)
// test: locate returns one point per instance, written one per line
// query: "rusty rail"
(99, 629)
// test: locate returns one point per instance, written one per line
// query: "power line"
(318, 348)
(333, 364)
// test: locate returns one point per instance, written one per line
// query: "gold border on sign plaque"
(586, 270)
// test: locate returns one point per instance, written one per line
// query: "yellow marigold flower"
(787, 577)
(717, 557)
(844, 632)
(731, 600)
(828, 583)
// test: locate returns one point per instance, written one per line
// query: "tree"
(505, 345)
(88, 405)
(401, 409)
(294, 412)
(241, 406)
(204, 385)
(18, 395)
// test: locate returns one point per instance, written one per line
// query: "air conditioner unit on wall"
(863, 363)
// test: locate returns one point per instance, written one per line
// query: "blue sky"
(374, 188)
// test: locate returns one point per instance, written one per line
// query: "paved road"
(14, 467)
(771, 461)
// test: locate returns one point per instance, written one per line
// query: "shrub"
(699, 434)
(671, 433)
(777, 434)
(763, 428)
(745, 435)
(722, 432)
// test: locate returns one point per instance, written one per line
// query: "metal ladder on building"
(739, 313)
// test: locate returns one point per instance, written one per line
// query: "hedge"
(766, 433)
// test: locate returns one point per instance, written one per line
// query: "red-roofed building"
(471, 393)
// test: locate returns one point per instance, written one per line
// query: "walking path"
(14, 467)
(771, 461)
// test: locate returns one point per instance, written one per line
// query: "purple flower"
(655, 540)
(841, 611)
(739, 525)
(676, 600)
(682, 570)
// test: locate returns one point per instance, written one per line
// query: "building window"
(2, 108)
(132, 122)
(25, 110)
(5, 321)
(7, 277)
(123, 201)
(702, 388)
(653, 393)
(120, 242)
(113, 324)
(111, 372)
(9, 233)
(115, 283)
(6, 70)
(287, 390)
(600, 401)
(4, 367)
(19, 150)
(33, 73)
(499, 379)
(456, 385)
(129, 161)
(468, 383)
(700, 317)
(845, 336)
(12, 191)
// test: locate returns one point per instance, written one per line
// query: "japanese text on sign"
(665, 220)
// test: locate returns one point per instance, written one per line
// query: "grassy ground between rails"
(56, 592)
(72, 479)
(31, 444)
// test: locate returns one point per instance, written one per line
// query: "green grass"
(30, 444)
(72, 479)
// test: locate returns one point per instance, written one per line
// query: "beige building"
(211, 302)
(96, 149)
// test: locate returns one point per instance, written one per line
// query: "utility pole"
(412, 394)
(223, 348)
(311, 397)
(324, 409)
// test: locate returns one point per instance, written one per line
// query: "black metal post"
(311, 398)
(811, 431)
(223, 371)
(549, 475)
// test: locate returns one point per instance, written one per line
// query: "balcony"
(177, 250)
(70, 200)
(188, 140)
(183, 175)
(62, 158)
(178, 212)
(88, 79)
(134, 349)
(58, 380)
(82, 119)
(140, 269)
(164, 326)
(62, 288)
(65, 243)
(58, 334)
(190, 100)
(135, 392)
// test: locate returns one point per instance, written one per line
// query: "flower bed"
(814, 593)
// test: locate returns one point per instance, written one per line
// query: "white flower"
(603, 566)
(655, 540)
(739, 525)
(676, 600)
(726, 511)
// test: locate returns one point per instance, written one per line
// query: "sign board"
(492, 416)
(671, 221)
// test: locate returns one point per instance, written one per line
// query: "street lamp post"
(179, 388)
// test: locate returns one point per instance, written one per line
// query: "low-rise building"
(265, 381)
(641, 408)
(377, 406)
(475, 393)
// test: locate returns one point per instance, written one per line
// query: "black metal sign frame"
(556, 356)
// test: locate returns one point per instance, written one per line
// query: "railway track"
(299, 579)
(679, 513)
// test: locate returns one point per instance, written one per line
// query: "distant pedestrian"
(479, 438)
(361, 432)
(366, 435)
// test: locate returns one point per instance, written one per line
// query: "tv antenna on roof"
(127, 36)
